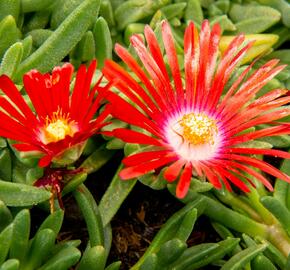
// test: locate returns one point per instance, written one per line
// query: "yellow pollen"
(58, 127)
(198, 128)
(58, 130)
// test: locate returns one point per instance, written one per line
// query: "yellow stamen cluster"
(198, 128)
(58, 126)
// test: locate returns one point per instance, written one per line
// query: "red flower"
(60, 121)
(191, 128)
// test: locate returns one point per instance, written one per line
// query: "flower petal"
(171, 173)
(138, 170)
(184, 181)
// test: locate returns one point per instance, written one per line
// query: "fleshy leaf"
(13, 194)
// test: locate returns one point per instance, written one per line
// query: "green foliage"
(16, 194)
(8, 25)
(91, 214)
(18, 249)
(114, 196)
(11, 59)
(242, 258)
(103, 41)
(63, 39)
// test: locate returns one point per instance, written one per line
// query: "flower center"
(58, 127)
(198, 128)
(58, 130)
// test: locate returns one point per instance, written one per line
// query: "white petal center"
(194, 136)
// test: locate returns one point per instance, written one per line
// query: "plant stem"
(231, 219)
(272, 232)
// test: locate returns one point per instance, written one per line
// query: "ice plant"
(60, 121)
(190, 127)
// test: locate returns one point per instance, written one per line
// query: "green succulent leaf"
(63, 260)
(10, 7)
(35, 5)
(114, 266)
(204, 254)
(40, 249)
(173, 228)
(62, 40)
(174, 247)
(13, 194)
(5, 216)
(20, 238)
(91, 214)
(53, 222)
(5, 242)
(242, 258)
(11, 264)
(114, 197)
(103, 41)
(8, 25)
(11, 59)
(94, 258)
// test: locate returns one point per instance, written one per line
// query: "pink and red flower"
(189, 125)
(60, 119)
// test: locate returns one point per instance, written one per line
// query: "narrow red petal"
(77, 91)
(65, 78)
(184, 181)
(251, 112)
(254, 173)
(191, 63)
(134, 66)
(172, 59)
(212, 177)
(233, 179)
(130, 87)
(271, 95)
(127, 113)
(143, 157)
(210, 68)
(26, 147)
(84, 99)
(248, 90)
(262, 165)
(153, 70)
(45, 161)
(138, 170)
(33, 83)
(172, 171)
(203, 60)
(263, 119)
(254, 151)
(13, 130)
(12, 92)
(266, 132)
(10, 109)
(158, 57)
(220, 82)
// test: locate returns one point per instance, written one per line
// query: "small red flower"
(190, 127)
(54, 180)
(60, 119)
